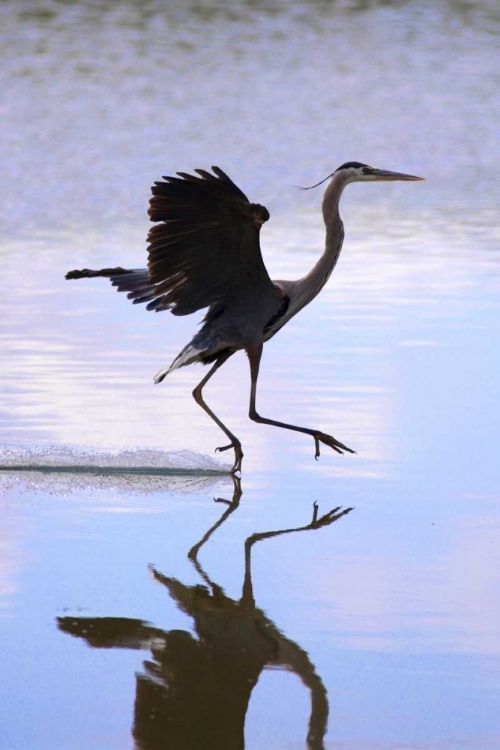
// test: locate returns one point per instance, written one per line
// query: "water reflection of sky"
(397, 605)
(385, 310)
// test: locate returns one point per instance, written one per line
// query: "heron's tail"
(187, 356)
(204, 347)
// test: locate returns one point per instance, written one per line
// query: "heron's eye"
(366, 170)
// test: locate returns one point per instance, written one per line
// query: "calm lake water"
(170, 606)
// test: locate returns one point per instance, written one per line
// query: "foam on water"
(62, 469)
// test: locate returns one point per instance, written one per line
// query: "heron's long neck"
(311, 284)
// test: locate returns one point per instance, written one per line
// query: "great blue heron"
(205, 253)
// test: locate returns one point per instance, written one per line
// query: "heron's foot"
(238, 454)
(322, 437)
(327, 518)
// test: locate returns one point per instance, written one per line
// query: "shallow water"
(136, 611)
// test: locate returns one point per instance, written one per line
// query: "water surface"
(153, 608)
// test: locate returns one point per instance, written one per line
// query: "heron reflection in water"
(204, 252)
(195, 691)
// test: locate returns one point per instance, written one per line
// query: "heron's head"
(355, 171)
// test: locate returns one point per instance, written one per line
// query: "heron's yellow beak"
(384, 174)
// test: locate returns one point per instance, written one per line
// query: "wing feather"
(205, 248)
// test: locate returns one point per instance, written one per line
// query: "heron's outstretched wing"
(205, 249)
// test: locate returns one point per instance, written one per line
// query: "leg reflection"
(194, 691)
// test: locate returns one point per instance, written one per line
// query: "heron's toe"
(238, 455)
(331, 442)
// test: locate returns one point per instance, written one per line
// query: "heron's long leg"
(254, 355)
(235, 443)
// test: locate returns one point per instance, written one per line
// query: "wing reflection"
(194, 691)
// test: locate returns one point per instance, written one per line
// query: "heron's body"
(204, 252)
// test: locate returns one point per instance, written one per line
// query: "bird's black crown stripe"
(352, 165)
